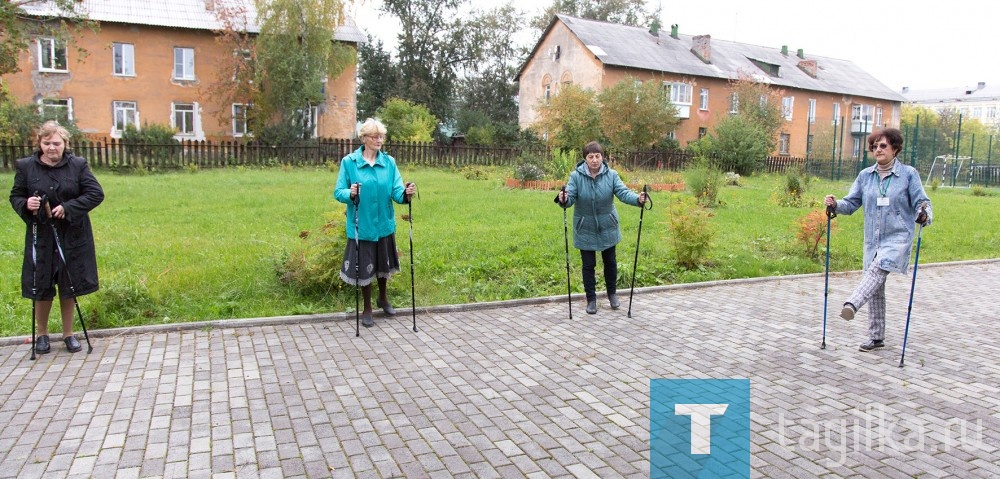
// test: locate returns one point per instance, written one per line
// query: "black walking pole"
(831, 213)
(413, 288)
(569, 296)
(357, 266)
(69, 278)
(34, 282)
(913, 284)
(638, 236)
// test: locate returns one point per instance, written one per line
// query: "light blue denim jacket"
(888, 229)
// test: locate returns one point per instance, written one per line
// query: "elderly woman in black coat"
(53, 187)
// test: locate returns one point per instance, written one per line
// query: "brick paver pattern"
(523, 391)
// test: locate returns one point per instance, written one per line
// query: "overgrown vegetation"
(691, 232)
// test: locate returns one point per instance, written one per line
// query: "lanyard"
(885, 190)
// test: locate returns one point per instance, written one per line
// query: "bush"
(978, 190)
(563, 163)
(935, 184)
(474, 172)
(154, 135)
(481, 135)
(733, 179)
(812, 229)
(704, 181)
(529, 172)
(314, 268)
(690, 232)
(792, 189)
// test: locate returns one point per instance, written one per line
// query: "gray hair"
(372, 126)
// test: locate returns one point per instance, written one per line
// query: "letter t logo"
(701, 423)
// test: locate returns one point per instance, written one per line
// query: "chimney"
(654, 28)
(801, 54)
(673, 31)
(906, 89)
(809, 66)
(784, 50)
(981, 85)
(209, 5)
(702, 47)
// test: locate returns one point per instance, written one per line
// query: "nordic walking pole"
(831, 213)
(357, 266)
(413, 288)
(569, 296)
(638, 236)
(72, 289)
(34, 285)
(913, 284)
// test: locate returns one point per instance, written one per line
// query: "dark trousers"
(610, 271)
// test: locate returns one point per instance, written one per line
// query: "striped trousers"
(871, 291)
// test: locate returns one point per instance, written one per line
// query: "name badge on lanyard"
(882, 201)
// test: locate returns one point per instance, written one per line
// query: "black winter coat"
(71, 184)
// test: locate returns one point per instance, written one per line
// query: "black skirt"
(378, 259)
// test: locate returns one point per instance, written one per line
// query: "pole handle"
(831, 211)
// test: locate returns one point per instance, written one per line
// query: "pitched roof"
(193, 14)
(634, 47)
(981, 92)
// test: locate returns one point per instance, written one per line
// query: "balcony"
(862, 126)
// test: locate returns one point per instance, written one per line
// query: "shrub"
(812, 229)
(481, 135)
(704, 181)
(935, 184)
(690, 230)
(792, 189)
(562, 164)
(314, 268)
(529, 172)
(978, 190)
(733, 179)
(474, 172)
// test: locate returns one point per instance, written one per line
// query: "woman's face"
(52, 148)
(594, 161)
(373, 141)
(883, 151)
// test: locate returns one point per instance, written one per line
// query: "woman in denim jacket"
(894, 201)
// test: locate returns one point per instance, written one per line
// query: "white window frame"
(313, 118)
(703, 99)
(123, 59)
(787, 107)
(241, 121)
(128, 114)
(734, 103)
(547, 93)
(50, 49)
(678, 93)
(183, 66)
(991, 112)
(812, 110)
(187, 126)
(56, 104)
(784, 144)
(836, 113)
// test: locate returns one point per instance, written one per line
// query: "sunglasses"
(879, 146)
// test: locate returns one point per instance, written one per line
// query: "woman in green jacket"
(592, 188)
(369, 178)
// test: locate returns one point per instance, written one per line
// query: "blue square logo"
(699, 428)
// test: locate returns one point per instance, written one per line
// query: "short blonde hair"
(50, 128)
(371, 126)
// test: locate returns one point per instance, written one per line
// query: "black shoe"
(366, 320)
(386, 307)
(872, 345)
(591, 306)
(613, 299)
(848, 311)
(42, 344)
(72, 345)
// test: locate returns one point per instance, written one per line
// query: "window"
(857, 147)
(702, 131)
(991, 112)
(812, 110)
(125, 113)
(548, 93)
(703, 99)
(878, 116)
(677, 93)
(783, 143)
(977, 112)
(51, 55)
(183, 118)
(241, 124)
(124, 59)
(786, 107)
(836, 113)
(307, 122)
(59, 109)
(734, 102)
(863, 112)
(184, 63)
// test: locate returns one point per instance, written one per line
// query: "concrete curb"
(445, 308)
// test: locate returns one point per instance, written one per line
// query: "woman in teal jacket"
(369, 177)
(592, 188)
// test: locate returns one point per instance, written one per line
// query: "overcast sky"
(901, 43)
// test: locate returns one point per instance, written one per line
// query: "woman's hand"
(830, 200)
(563, 197)
(642, 198)
(33, 203)
(58, 212)
(355, 190)
(411, 189)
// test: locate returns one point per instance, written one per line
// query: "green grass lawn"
(185, 246)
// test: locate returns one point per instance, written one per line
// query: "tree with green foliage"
(433, 44)
(17, 28)
(295, 55)
(378, 77)
(407, 121)
(743, 141)
(625, 12)
(634, 114)
(570, 119)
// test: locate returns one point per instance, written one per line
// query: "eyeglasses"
(879, 146)
(376, 137)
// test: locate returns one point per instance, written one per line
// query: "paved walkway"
(520, 390)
